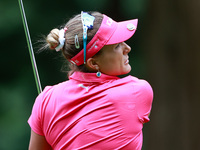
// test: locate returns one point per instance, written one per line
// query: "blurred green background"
(165, 52)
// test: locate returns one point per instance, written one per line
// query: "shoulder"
(49, 92)
(55, 88)
(130, 87)
(141, 87)
(133, 83)
(46, 99)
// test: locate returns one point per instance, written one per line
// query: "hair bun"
(53, 39)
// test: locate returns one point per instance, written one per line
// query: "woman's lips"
(126, 62)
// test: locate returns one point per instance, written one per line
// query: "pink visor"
(110, 32)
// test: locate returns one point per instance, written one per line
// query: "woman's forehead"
(108, 48)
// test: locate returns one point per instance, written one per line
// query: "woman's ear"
(91, 63)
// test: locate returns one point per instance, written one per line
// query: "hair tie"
(61, 39)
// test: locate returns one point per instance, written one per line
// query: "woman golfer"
(94, 109)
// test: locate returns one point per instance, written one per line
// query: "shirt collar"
(91, 77)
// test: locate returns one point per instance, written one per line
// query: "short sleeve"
(144, 101)
(35, 120)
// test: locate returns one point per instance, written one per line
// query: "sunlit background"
(165, 52)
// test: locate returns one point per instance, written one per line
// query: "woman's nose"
(127, 48)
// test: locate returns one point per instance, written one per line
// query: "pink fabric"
(110, 32)
(91, 113)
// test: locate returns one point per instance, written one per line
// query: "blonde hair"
(74, 27)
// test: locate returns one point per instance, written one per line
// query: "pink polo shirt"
(91, 113)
